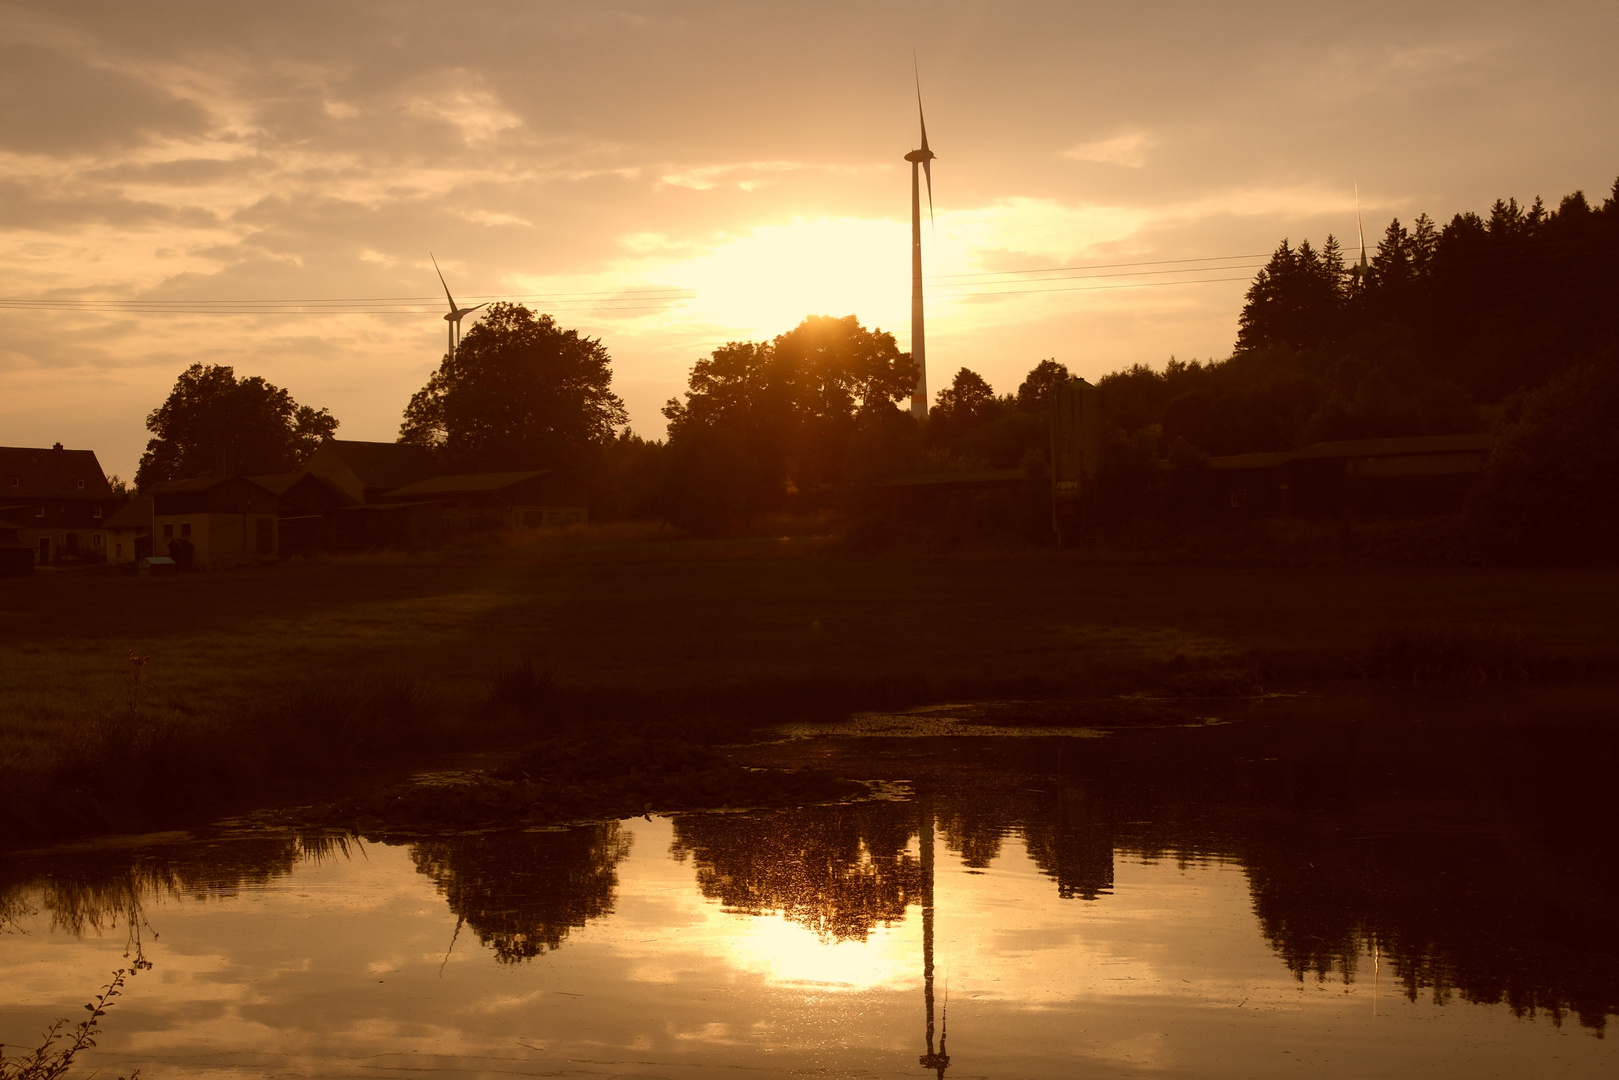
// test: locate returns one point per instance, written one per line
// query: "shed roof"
(978, 477)
(1358, 448)
(466, 484)
(1410, 444)
(51, 472)
(1248, 461)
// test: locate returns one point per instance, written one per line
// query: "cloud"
(1128, 150)
(54, 103)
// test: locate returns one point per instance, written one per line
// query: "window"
(39, 511)
(168, 531)
(16, 481)
(81, 485)
(185, 528)
(97, 512)
(98, 541)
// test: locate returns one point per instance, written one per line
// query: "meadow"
(313, 670)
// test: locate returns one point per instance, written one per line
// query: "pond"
(1169, 904)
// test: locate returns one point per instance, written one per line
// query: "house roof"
(198, 483)
(277, 482)
(136, 514)
(466, 484)
(1358, 448)
(1248, 461)
(51, 472)
(1411, 444)
(958, 479)
(382, 464)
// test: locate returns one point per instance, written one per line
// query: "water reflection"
(838, 870)
(1475, 871)
(522, 893)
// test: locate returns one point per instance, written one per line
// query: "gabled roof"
(196, 483)
(466, 484)
(382, 464)
(277, 482)
(137, 514)
(51, 473)
(1248, 461)
(958, 479)
(1358, 448)
(1411, 444)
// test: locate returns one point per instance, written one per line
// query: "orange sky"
(742, 161)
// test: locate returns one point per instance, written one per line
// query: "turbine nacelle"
(454, 317)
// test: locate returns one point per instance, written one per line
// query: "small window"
(97, 512)
(185, 528)
(39, 511)
(16, 481)
(98, 541)
(168, 532)
(81, 485)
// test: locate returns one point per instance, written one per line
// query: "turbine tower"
(454, 317)
(919, 351)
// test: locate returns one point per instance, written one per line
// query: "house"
(214, 522)
(57, 502)
(1415, 475)
(129, 532)
(363, 471)
(475, 501)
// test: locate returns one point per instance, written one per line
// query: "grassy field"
(314, 666)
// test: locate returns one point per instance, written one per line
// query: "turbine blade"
(921, 119)
(927, 171)
(440, 273)
(1359, 226)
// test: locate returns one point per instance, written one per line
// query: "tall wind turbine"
(919, 352)
(454, 317)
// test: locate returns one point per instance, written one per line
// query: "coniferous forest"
(1437, 333)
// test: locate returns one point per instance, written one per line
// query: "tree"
(1034, 392)
(963, 405)
(210, 414)
(790, 406)
(1549, 482)
(520, 392)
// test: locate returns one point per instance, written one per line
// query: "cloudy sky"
(260, 185)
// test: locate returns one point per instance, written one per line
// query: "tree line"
(1488, 322)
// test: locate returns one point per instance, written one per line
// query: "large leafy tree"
(520, 392)
(790, 406)
(211, 413)
(761, 420)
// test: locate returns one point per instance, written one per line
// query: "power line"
(1100, 266)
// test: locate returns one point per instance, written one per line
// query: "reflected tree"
(523, 893)
(839, 870)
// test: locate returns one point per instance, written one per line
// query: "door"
(44, 551)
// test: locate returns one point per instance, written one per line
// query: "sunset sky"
(671, 176)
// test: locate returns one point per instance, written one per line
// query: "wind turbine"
(454, 317)
(923, 157)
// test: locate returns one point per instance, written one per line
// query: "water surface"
(1154, 921)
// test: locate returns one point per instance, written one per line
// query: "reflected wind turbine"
(454, 317)
(923, 157)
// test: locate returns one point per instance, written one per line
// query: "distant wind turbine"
(454, 317)
(923, 157)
